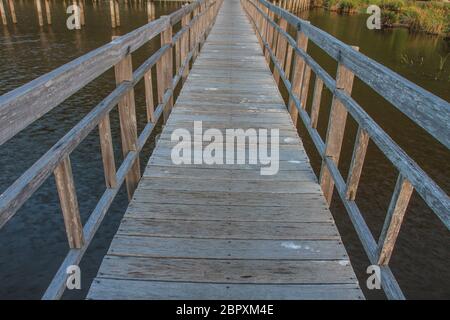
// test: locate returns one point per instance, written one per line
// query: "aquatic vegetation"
(430, 17)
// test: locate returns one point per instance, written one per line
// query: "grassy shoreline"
(430, 16)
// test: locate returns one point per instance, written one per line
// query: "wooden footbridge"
(224, 231)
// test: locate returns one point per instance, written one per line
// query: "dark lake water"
(33, 243)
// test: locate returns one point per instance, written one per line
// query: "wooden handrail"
(413, 104)
(24, 105)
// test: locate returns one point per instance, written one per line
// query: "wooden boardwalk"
(225, 231)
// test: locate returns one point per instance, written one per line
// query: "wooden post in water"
(82, 15)
(150, 10)
(3, 13)
(47, 11)
(13, 11)
(128, 126)
(39, 12)
(113, 13)
(117, 9)
(77, 15)
(336, 127)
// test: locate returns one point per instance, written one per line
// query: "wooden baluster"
(106, 145)
(297, 75)
(194, 35)
(177, 55)
(185, 46)
(265, 31)
(287, 68)
(270, 36)
(392, 223)
(12, 10)
(149, 97)
(317, 98)
(69, 203)
(305, 86)
(359, 154)
(127, 115)
(280, 51)
(336, 127)
(164, 71)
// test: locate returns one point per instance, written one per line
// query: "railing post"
(270, 36)
(392, 223)
(164, 71)
(128, 126)
(297, 74)
(336, 127)
(69, 203)
(280, 53)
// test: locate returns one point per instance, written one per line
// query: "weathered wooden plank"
(154, 247)
(231, 271)
(174, 172)
(228, 229)
(222, 185)
(104, 288)
(310, 212)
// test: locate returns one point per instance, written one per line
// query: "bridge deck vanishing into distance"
(226, 231)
